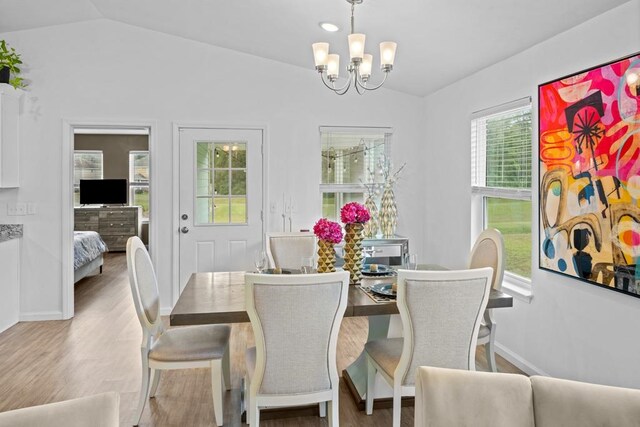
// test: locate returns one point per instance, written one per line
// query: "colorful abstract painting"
(589, 141)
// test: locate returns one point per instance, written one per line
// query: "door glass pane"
(203, 156)
(239, 155)
(238, 182)
(221, 210)
(204, 210)
(221, 176)
(221, 182)
(239, 210)
(221, 155)
(204, 183)
(513, 219)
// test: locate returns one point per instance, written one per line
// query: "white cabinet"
(9, 119)
(9, 283)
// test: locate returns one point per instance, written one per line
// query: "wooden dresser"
(115, 224)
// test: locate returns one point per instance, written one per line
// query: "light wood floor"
(99, 350)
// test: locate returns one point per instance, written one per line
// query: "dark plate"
(383, 270)
(384, 289)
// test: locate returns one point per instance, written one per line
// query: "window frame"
(513, 284)
(353, 188)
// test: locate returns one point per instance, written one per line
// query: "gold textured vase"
(371, 226)
(388, 212)
(353, 251)
(326, 257)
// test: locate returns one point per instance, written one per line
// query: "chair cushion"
(386, 353)
(204, 342)
(484, 331)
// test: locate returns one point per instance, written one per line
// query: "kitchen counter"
(10, 232)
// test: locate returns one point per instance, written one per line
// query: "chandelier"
(360, 64)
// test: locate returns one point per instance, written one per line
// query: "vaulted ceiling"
(439, 41)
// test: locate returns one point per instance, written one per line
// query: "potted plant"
(10, 66)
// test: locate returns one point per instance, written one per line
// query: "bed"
(88, 248)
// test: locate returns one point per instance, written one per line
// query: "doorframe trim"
(66, 258)
(177, 126)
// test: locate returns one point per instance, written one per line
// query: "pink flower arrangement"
(328, 230)
(354, 212)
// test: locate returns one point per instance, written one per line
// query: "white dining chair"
(441, 313)
(488, 251)
(205, 346)
(286, 250)
(295, 319)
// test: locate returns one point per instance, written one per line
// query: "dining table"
(213, 298)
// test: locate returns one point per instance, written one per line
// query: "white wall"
(105, 70)
(570, 329)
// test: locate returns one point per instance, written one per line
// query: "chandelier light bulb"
(333, 66)
(365, 67)
(356, 47)
(632, 78)
(387, 53)
(320, 53)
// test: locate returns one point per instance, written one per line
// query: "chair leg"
(216, 390)
(322, 408)
(226, 368)
(254, 411)
(491, 354)
(144, 388)
(371, 383)
(334, 410)
(155, 380)
(247, 400)
(397, 407)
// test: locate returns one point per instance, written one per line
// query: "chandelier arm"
(332, 85)
(386, 74)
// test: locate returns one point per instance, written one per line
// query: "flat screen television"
(103, 191)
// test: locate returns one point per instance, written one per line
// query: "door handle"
(184, 230)
(185, 216)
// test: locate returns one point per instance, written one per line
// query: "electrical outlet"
(31, 208)
(12, 209)
(274, 207)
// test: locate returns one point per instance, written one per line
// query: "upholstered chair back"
(295, 320)
(144, 286)
(488, 251)
(441, 313)
(286, 250)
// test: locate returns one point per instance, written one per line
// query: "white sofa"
(100, 410)
(449, 397)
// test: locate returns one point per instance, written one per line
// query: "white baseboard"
(520, 362)
(43, 315)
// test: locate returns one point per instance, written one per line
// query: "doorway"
(108, 175)
(220, 199)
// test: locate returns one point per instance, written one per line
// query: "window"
(87, 164)
(139, 181)
(501, 179)
(221, 188)
(350, 158)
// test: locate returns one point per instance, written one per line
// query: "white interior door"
(220, 200)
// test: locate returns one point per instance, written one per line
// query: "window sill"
(517, 288)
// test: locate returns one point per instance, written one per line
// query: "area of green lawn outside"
(513, 219)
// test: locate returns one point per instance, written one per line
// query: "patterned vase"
(388, 212)
(371, 226)
(353, 251)
(326, 257)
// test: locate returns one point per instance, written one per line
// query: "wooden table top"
(219, 298)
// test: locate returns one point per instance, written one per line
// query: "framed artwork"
(589, 173)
